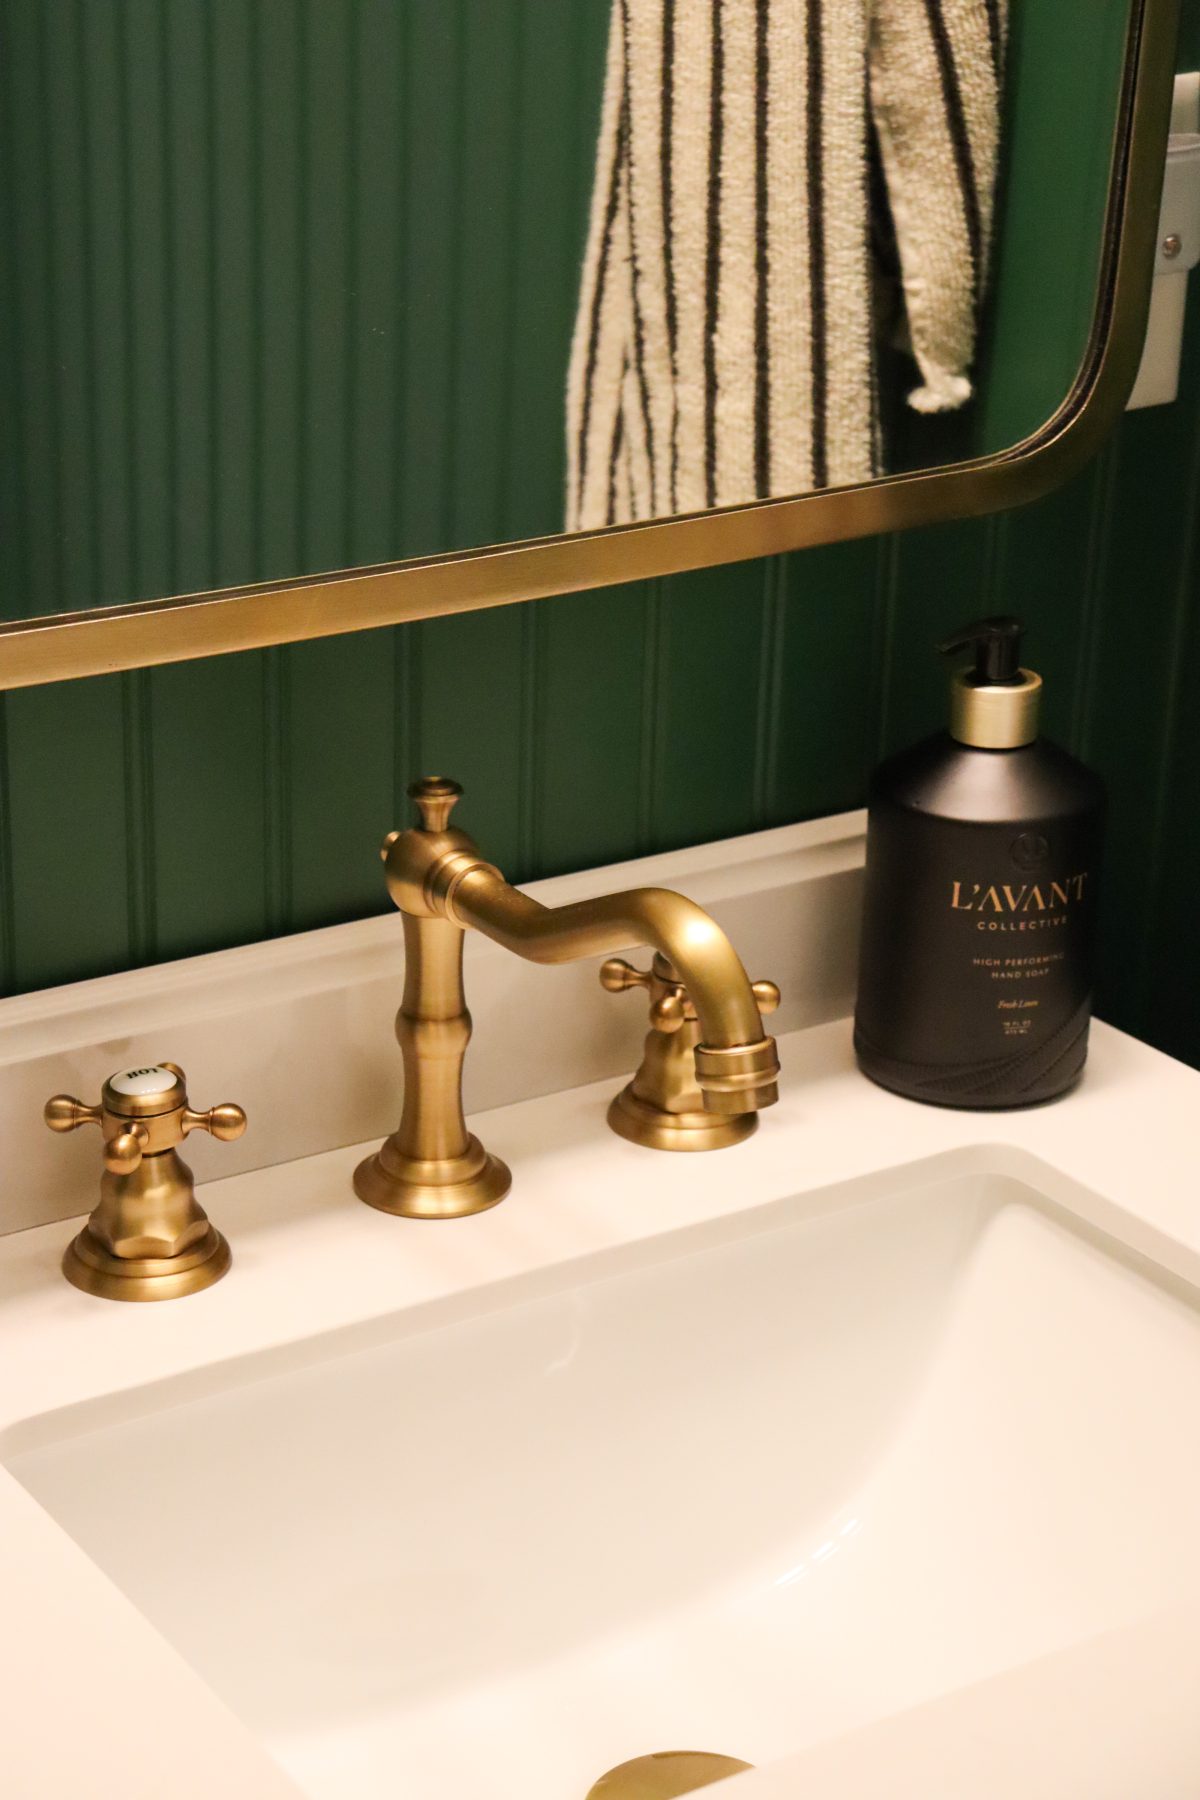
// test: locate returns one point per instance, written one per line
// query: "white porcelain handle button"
(143, 1081)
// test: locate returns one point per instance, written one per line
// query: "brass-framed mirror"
(1014, 455)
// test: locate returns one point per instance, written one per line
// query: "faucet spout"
(431, 1167)
(736, 1064)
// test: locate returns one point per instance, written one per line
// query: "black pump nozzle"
(997, 646)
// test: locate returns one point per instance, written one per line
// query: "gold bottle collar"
(999, 717)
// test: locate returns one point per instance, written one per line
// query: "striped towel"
(724, 344)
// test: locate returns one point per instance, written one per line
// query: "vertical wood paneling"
(73, 913)
(279, 133)
(591, 728)
(141, 123)
(471, 717)
(484, 274)
(820, 744)
(432, 100)
(189, 178)
(291, 284)
(13, 578)
(33, 412)
(69, 298)
(377, 280)
(325, 101)
(141, 844)
(707, 697)
(1171, 947)
(1171, 1017)
(1147, 589)
(236, 323)
(340, 702)
(211, 735)
(8, 949)
(108, 227)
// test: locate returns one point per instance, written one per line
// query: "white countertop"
(96, 1704)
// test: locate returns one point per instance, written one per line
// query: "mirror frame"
(67, 646)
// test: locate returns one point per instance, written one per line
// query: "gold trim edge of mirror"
(68, 646)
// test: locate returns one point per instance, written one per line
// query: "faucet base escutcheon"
(447, 1188)
(641, 1122)
(89, 1266)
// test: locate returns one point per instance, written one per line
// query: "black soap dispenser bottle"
(983, 845)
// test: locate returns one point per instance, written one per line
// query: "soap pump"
(983, 845)
(995, 704)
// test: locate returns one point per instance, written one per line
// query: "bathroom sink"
(739, 1488)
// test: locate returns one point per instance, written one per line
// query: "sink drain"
(665, 1775)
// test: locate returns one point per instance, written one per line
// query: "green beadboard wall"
(151, 815)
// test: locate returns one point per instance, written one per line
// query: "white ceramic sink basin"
(738, 1488)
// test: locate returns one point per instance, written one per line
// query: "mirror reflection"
(759, 163)
(300, 285)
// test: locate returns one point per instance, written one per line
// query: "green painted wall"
(150, 815)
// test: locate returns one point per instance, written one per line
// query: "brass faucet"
(432, 1167)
